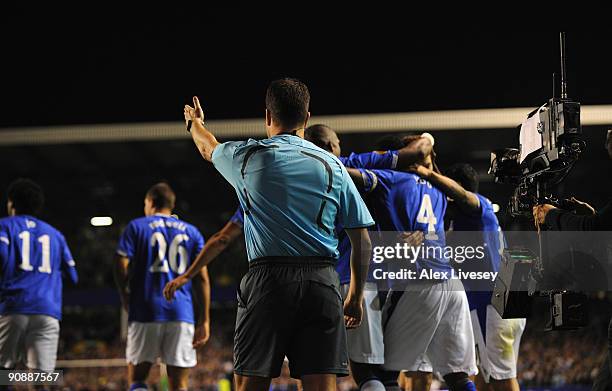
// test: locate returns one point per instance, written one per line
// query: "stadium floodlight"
(101, 221)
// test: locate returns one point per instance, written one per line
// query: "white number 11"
(45, 243)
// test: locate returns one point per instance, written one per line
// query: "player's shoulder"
(396, 176)
(39, 225)
(141, 221)
(485, 203)
(6, 222)
(139, 224)
(241, 147)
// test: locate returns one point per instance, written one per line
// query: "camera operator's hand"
(581, 208)
(540, 212)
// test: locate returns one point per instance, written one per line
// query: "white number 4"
(426, 216)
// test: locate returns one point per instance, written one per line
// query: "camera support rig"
(550, 144)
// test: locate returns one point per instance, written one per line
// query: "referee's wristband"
(190, 122)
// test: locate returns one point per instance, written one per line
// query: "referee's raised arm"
(202, 137)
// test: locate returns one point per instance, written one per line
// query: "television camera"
(551, 142)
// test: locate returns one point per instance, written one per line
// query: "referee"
(292, 193)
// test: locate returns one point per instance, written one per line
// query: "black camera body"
(550, 143)
(517, 286)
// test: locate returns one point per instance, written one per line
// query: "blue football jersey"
(404, 202)
(486, 226)
(33, 258)
(371, 160)
(159, 248)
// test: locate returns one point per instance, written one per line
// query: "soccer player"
(497, 339)
(152, 251)
(365, 343)
(34, 257)
(425, 316)
(292, 193)
(389, 152)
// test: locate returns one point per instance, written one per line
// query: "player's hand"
(414, 239)
(194, 113)
(353, 312)
(540, 212)
(581, 208)
(171, 287)
(201, 335)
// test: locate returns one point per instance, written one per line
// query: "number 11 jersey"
(33, 258)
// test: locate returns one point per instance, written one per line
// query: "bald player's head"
(323, 137)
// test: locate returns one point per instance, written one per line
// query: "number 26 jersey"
(159, 249)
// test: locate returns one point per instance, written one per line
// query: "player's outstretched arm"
(465, 200)
(361, 250)
(120, 273)
(213, 247)
(357, 178)
(201, 290)
(202, 137)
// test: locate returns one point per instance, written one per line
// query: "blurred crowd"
(562, 358)
(547, 359)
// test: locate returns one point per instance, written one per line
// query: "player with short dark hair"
(161, 196)
(152, 251)
(292, 193)
(497, 339)
(424, 317)
(33, 258)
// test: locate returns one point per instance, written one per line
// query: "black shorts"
(290, 307)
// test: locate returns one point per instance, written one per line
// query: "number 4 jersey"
(404, 202)
(159, 248)
(33, 258)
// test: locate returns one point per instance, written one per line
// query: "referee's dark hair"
(288, 100)
(465, 175)
(162, 196)
(26, 196)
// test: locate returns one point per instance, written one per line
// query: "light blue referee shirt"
(292, 193)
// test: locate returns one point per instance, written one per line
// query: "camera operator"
(585, 218)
